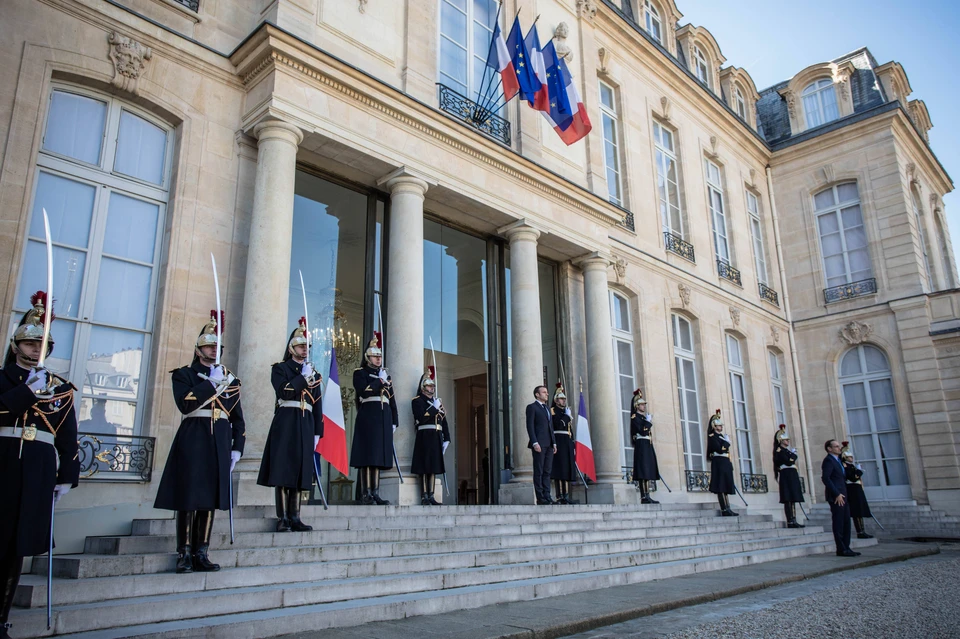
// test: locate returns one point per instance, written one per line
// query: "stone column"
(603, 412)
(527, 355)
(263, 330)
(403, 341)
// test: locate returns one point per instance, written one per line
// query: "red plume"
(636, 392)
(221, 324)
(559, 385)
(718, 411)
(433, 373)
(41, 297)
(379, 337)
(783, 427)
(844, 444)
(303, 321)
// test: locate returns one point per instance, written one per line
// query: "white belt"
(206, 412)
(562, 432)
(385, 400)
(641, 437)
(30, 433)
(721, 454)
(783, 466)
(429, 427)
(289, 403)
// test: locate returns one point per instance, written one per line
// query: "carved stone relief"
(665, 107)
(563, 49)
(775, 334)
(684, 294)
(735, 315)
(620, 268)
(604, 55)
(587, 9)
(856, 332)
(128, 58)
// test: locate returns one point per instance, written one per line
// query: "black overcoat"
(564, 464)
(197, 473)
(27, 477)
(644, 456)
(428, 447)
(288, 454)
(855, 496)
(788, 477)
(373, 428)
(721, 470)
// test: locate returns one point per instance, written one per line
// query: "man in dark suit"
(835, 491)
(543, 444)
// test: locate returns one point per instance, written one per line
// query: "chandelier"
(349, 346)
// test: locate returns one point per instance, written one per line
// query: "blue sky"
(773, 40)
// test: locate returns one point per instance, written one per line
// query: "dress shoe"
(848, 553)
(283, 525)
(864, 535)
(184, 560)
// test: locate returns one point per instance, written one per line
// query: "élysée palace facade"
(781, 255)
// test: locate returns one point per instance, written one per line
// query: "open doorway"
(473, 441)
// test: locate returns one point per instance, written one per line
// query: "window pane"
(686, 341)
(871, 476)
(896, 472)
(890, 445)
(858, 420)
(824, 199)
(453, 22)
(453, 64)
(69, 206)
(141, 149)
(68, 269)
(774, 365)
(811, 108)
(621, 313)
(828, 224)
(830, 110)
(876, 361)
(122, 293)
(108, 416)
(848, 192)
(75, 126)
(850, 365)
(131, 228)
(733, 351)
(112, 370)
(606, 97)
(854, 396)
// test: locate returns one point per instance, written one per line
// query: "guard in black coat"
(433, 437)
(372, 449)
(859, 508)
(208, 444)
(564, 468)
(645, 467)
(542, 442)
(835, 492)
(787, 476)
(721, 470)
(38, 450)
(296, 429)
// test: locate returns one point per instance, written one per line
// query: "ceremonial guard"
(787, 476)
(859, 508)
(296, 429)
(372, 449)
(564, 468)
(208, 444)
(433, 437)
(721, 470)
(38, 448)
(645, 468)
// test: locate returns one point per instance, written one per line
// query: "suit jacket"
(539, 429)
(833, 478)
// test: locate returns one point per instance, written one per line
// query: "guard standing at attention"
(787, 476)
(372, 449)
(645, 468)
(38, 449)
(859, 508)
(564, 463)
(433, 437)
(296, 429)
(721, 470)
(208, 444)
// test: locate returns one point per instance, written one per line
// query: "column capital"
(520, 230)
(593, 261)
(278, 130)
(407, 180)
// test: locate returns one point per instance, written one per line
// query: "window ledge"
(189, 13)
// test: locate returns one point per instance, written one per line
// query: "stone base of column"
(405, 494)
(619, 493)
(518, 493)
(246, 491)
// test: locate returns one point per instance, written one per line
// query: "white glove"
(59, 491)
(40, 382)
(445, 445)
(394, 428)
(216, 375)
(307, 370)
(636, 437)
(436, 403)
(234, 458)
(316, 442)
(383, 376)
(649, 417)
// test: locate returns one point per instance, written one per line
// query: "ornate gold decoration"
(128, 58)
(856, 332)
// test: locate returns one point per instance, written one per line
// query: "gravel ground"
(918, 601)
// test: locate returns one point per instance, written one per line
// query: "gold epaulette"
(62, 381)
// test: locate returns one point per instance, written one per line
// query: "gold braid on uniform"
(65, 407)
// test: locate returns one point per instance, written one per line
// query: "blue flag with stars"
(522, 64)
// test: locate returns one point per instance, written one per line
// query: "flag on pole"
(560, 115)
(584, 447)
(580, 125)
(541, 99)
(498, 59)
(520, 57)
(333, 444)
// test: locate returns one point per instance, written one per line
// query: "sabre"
(805, 515)
(306, 315)
(443, 475)
(216, 287)
(230, 490)
(48, 312)
(586, 494)
(741, 496)
(316, 469)
(873, 517)
(53, 504)
(660, 477)
(383, 366)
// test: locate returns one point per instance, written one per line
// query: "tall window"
(651, 18)
(685, 360)
(611, 147)
(103, 176)
(843, 239)
(623, 361)
(717, 212)
(918, 216)
(820, 103)
(756, 237)
(741, 103)
(776, 381)
(668, 180)
(738, 390)
(701, 68)
(466, 28)
(945, 261)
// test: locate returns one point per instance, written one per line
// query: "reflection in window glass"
(141, 149)
(111, 382)
(75, 126)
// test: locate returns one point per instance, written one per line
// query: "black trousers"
(542, 466)
(841, 525)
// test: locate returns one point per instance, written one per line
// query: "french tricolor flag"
(498, 59)
(541, 99)
(584, 447)
(333, 444)
(580, 125)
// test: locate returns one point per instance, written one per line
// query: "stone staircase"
(901, 519)
(363, 564)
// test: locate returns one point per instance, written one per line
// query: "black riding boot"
(363, 476)
(793, 523)
(10, 567)
(280, 497)
(375, 488)
(787, 515)
(424, 491)
(184, 540)
(202, 527)
(725, 506)
(430, 483)
(652, 500)
(293, 511)
(861, 531)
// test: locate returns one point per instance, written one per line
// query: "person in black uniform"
(564, 468)
(208, 444)
(787, 476)
(433, 437)
(38, 450)
(645, 468)
(372, 449)
(721, 470)
(859, 508)
(297, 427)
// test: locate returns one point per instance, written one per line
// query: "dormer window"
(651, 18)
(701, 68)
(820, 103)
(741, 104)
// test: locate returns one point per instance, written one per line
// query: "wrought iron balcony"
(753, 483)
(727, 272)
(628, 221)
(120, 458)
(698, 481)
(769, 295)
(676, 244)
(480, 118)
(193, 5)
(849, 291)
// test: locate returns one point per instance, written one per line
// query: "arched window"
(701, 68)
(776, 382)
(873, 423)
(741, 103)
(843, 239)
(651, 18)
(918, 217)
(820, 103)
(623, 363)
(741, 411)
(685, 360)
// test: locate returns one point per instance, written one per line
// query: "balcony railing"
(193, 5)
(698, 481)
(465, 109)
(627, 473)
(769, 295)
(120, 458)
(753, 483)
(849, 291)
(727, 272)
(629, 222)
(676, 244)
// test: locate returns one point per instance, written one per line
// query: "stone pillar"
(527, 355)
(403, 341)
(603, 412)
(263, 330)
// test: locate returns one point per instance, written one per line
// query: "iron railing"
(727, 272)
(676, 244)
(849, 291)
(698, 481)
(120, 458)
(468, 111)
(627, 473)
(193, 5)
(769, 295)
(753, 483)
(629, 221)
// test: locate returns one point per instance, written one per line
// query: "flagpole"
(489, 50)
